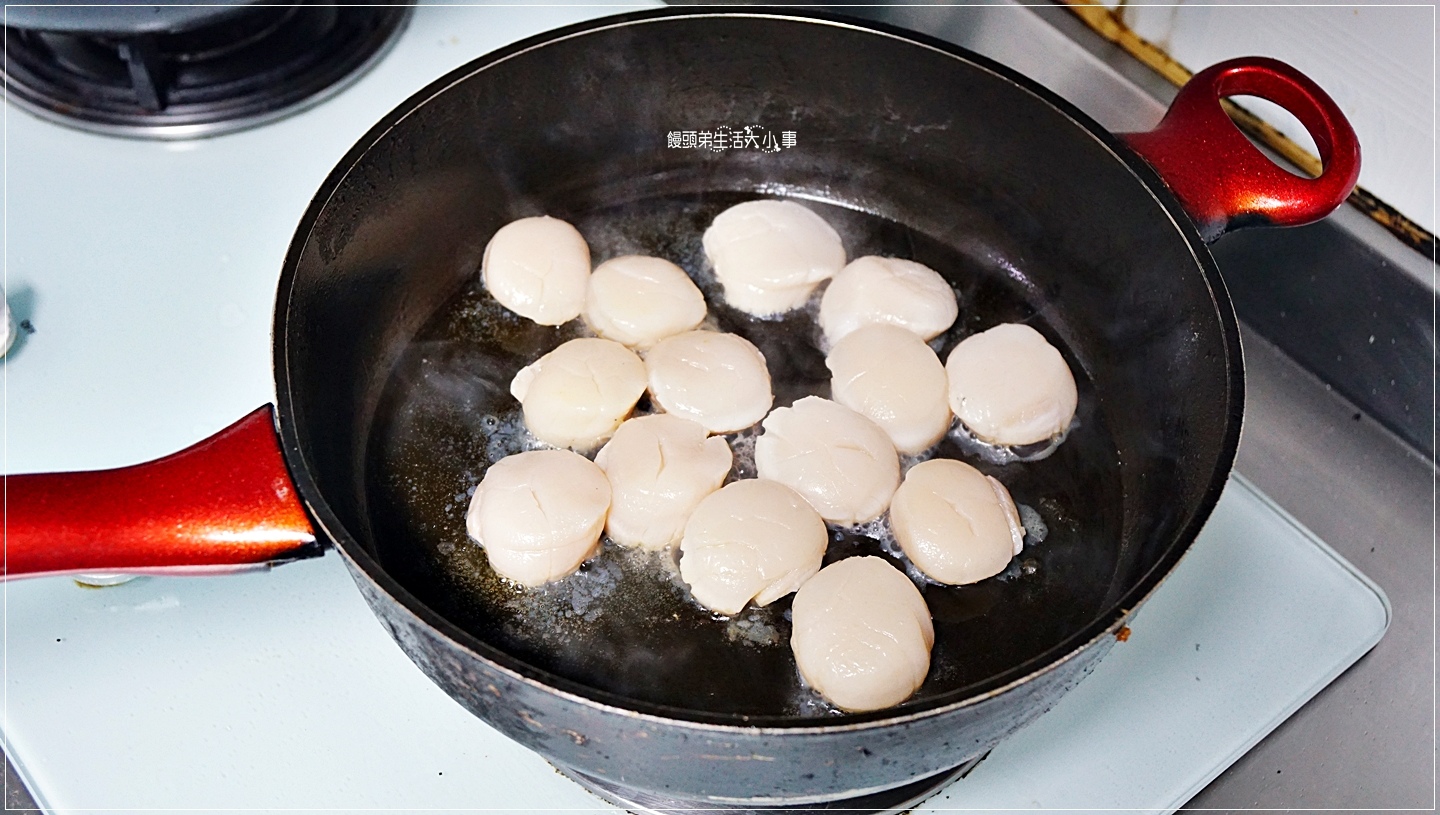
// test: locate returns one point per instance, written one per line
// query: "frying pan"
(391, 368)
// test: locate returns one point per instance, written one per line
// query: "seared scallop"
(752, 541)
(956, 524)
(538, 268)
(861, 634)
(892, 291)
(660, 467)
(538, 514)
(578, 394)
(1010, 386)
(638, 301)
(842, 462)
(890, 376)
(718, 380)
(769, 255)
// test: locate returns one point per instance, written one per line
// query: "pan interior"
(625, 623)
(394, 365)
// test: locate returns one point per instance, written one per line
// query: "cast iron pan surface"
(625, 623)
(393, 365)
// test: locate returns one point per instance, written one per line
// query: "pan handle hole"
(1281, 120)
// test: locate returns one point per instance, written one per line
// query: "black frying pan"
(392, 368)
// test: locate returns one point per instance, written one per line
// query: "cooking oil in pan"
(625, 623)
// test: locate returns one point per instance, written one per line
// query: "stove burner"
(887, 802)
(228, 73)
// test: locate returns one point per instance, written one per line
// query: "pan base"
(895, 800)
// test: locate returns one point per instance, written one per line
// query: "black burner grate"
(244, 69)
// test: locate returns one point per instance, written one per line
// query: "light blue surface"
(1257, 618)
(149, 269)
(280, 690)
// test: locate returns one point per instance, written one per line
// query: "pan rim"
(1105, 624)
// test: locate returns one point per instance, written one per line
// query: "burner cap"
(251, 66)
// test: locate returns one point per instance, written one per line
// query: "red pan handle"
(223, 504)
(1222, 180)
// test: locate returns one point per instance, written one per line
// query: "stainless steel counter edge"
(1368, 740)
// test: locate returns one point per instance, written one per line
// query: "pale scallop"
(660, 467)
(892, 291)
(956, 524)
(538, 268)
(538, 514)
(861, 634)
(890, 376)
(752, 541)
(716, 379)
(769, 255)
(842, 462)
(578, 394)
(1010, 386)
(638, 300)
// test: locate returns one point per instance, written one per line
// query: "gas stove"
(144, 273)
(137, 72)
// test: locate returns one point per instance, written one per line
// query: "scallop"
(842, 462)
(752, 541)
(578, 394)
(538, 514)
(716, 379)
(660, 467)
(892, 291)
(956, 524)
(638, 300)
(769, 255)
(538, 268)
(1010, 386)
(890, 376)
(861, 634)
